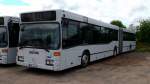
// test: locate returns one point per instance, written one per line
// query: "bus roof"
(81, 18)
(73, 16)
(127, 30)
(8, 18)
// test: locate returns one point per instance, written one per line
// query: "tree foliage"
(118, 23)
(143, 34)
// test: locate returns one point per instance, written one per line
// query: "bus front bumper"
(3, 59)
(40, 66)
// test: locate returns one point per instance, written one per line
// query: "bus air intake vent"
(38, 16)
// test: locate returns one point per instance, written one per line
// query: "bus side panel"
(72, 57)
(129, 46)
(12, 53)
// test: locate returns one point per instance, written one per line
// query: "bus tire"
(115, 52)
(85, 59)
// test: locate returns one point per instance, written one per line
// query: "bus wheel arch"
(85, 58)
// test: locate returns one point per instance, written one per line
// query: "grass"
(143, 47)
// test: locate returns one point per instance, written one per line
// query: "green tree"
(118, 23)
(143, 34)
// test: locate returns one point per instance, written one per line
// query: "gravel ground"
(129, 68)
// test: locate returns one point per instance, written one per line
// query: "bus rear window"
(1, 21)
(38, 16)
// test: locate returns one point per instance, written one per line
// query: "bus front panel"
(39, 43)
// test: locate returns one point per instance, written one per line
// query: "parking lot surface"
(129, 68)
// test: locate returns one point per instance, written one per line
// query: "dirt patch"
(129, 68)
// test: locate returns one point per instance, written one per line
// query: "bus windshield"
(43, 35)
(3, 37)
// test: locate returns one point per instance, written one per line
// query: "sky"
(128, 11)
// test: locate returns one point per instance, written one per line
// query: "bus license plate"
(32, 66)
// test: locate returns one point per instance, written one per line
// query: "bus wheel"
(85, 60)
(115, 52)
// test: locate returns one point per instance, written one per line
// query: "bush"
(143, 34)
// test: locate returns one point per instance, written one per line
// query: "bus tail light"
(4, 50)
(57, 53)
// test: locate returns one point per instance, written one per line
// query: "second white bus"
(9, 35)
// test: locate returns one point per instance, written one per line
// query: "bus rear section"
(9, 34)
(129, 41)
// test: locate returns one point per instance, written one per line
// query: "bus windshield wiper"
(45, 48)
(40, 44)
(26, 44)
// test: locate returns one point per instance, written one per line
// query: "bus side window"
(97, 34)
(84, 32)
(70, 34)
(103, 35)
(115, 35)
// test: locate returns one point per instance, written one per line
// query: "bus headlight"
(21, 58)
(49, 62)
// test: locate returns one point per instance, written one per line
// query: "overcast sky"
(128, 11)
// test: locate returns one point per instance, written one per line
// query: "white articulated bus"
(57, 40)
(9, 35)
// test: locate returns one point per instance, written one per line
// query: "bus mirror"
(10, 25)
(22, 29)
(65, 23)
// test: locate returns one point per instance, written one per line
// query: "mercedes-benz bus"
(57, 40)
(9, 35)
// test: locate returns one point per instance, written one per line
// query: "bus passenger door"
(120, 40)
(13, 29)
